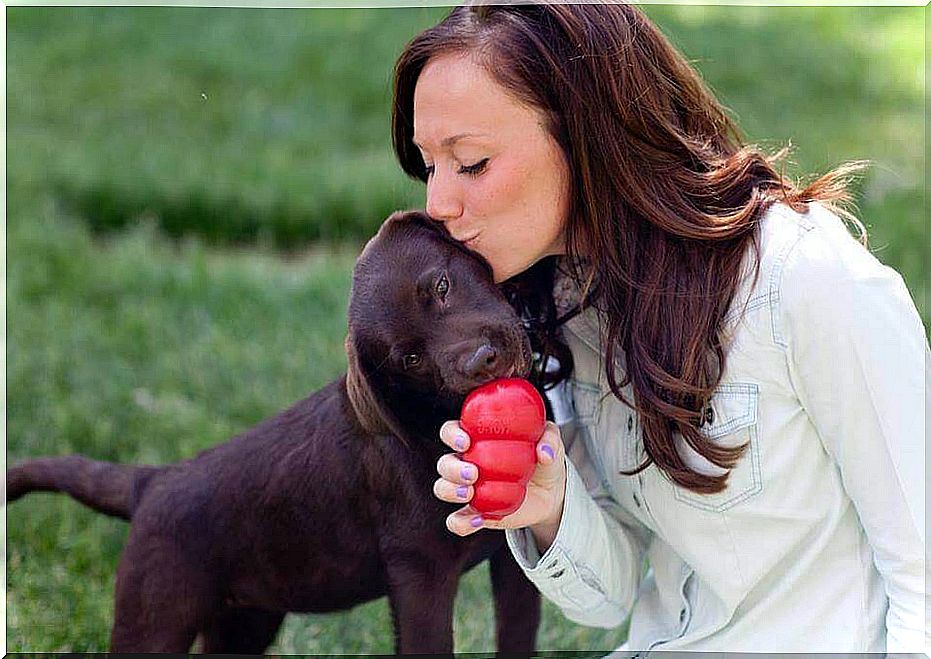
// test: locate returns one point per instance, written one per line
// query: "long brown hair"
(664, 195)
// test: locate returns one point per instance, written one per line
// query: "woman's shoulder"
(811, 266)
(816, 248)
(819, 274)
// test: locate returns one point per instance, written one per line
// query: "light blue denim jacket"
(818, 542)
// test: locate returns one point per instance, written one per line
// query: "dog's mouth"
(515, 344)
(455, 389)
(525, 356)
(509, 356)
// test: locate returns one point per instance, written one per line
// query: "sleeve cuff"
(555, 568)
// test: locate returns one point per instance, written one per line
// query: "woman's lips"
(469, 241)
(464, 235)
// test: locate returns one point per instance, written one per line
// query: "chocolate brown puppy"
(325, 505)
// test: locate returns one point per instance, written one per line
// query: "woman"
(744, 466)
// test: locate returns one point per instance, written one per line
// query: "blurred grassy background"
(187, 191)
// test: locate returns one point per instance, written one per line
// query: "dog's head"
(427, 324)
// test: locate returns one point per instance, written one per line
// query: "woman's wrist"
(544, 532)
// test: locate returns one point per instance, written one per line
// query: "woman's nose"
(443, 201)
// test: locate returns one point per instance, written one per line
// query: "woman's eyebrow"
(452, 139)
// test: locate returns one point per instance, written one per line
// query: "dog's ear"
(389, 224)
(374, 416)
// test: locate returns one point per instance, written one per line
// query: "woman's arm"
(592, 565)
(593, 551)
(858, 359)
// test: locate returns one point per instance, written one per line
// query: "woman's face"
(496, 177)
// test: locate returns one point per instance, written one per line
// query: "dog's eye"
(442, 287)
(411, 361)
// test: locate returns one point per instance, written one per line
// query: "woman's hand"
(542, 507)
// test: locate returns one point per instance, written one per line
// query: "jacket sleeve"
(594, 566)
(858, 359)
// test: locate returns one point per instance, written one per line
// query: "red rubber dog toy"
(504, 418)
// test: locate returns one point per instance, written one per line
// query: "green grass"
(178, 265)
(233, 124)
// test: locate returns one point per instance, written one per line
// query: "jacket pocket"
(731, 420)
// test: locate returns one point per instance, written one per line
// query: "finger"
(452, 492)
(549, 447)
(464, 521)
(452, 434)
(450, 467)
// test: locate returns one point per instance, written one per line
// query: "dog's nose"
(482, 363)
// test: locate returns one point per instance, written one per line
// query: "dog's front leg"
(421, 594)
(517, 605)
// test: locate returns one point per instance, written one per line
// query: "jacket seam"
(737, 555)
(755, 302)
(775, 281)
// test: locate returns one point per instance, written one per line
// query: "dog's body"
(329, 503)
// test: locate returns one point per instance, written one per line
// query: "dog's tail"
(107, 487)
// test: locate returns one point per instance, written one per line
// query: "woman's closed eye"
(474, 170)
(470, 170)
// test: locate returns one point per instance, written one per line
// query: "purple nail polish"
(546, 448)
(466, 473)
(477, 521)
(460, 442)
(462, 491)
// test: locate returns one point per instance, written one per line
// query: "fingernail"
(460, 442)
(546, 448)
(466, 473)
(462, 491)
(477, 521)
